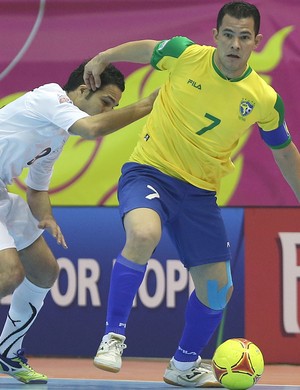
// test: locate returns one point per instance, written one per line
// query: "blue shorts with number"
(190, 214)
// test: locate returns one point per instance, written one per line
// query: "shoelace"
(21, 355)
(118, 344)
(202, 368)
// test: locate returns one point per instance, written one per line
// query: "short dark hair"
(239, 10)
(110, 75)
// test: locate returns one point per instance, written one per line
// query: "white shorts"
(18, 227)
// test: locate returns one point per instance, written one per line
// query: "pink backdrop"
(68, 31)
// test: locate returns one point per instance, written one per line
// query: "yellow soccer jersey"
(199, 115)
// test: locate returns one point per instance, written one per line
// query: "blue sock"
(200, 324)
(126, 279)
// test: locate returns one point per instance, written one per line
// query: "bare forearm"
(288, 161)
(39, 204)
(137, 52)
(115, 120)
(108, 122)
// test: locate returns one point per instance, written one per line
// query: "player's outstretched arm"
(92, 127)
(137, 51)
(288, 161)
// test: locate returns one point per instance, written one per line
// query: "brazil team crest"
(246, 107)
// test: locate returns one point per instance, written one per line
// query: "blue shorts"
(190, 214)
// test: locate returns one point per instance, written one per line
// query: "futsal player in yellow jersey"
(204, 114)
(211, 98)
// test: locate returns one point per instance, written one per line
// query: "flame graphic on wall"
(87, 172)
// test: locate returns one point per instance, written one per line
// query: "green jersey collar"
(244, 75)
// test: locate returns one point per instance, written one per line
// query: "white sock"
(27, 301)
(182, 366)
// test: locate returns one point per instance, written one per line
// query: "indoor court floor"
(80, 374)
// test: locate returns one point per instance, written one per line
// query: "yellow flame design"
(96, 184)
(268, 58)
(10, 98)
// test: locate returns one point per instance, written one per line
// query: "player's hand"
(153, 96)
(149, 100)
(92, 72)
(51, 226)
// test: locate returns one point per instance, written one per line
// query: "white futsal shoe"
(200, 375)
(109, 354)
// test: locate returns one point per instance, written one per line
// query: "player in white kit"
(33, 131)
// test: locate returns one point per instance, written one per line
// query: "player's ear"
(82, 88)
(258, 39)
(215, 34)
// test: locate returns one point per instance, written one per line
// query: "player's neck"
(228, 74)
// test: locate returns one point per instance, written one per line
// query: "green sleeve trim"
(279, 107)
(282, 145)
(173, 47)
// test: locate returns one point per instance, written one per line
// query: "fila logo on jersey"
(154, 194)
(194, 84)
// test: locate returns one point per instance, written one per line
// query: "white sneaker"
(200, 375)
(108, 356)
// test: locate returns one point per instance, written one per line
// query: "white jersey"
(33, 131)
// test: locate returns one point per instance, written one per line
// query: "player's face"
(102, 100)
(235, 42)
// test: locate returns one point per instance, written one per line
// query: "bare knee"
(49, 279)
(145, 237)
(10, 279)
(39, 263)
(229, 293)
(45, 275)
(214, 298)
(140, 244)
(143, 232)
(213, 284)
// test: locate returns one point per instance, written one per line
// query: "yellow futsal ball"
(238, 364)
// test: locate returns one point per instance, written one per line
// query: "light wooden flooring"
(144, 370)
